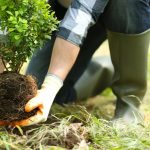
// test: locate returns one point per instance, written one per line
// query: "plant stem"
(20, 66)
(4, 64)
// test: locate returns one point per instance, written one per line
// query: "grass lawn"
(82, 126)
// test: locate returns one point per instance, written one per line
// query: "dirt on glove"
(15, 91)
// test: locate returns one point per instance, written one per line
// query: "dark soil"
(15, 91)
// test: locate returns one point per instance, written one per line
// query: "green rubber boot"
(129, 57)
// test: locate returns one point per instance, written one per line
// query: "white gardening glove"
(43, 101)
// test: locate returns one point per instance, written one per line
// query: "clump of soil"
(75, 134)
(15, 91)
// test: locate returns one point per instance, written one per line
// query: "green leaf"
(16, 13)
(10, 13)
(47, 36)
(11, 29)
(17, 43)
(35, 42)
(17, 37)
(3, 8)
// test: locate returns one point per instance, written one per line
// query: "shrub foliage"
(26, 25)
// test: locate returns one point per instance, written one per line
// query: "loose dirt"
(15, 91)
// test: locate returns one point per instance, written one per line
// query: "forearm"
(63, 57)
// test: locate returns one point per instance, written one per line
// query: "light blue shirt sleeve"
(80, 16)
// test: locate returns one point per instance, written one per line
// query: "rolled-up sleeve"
(80, 16)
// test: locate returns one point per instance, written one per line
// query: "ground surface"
(83, 128)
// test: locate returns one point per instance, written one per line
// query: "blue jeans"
(127, 16)
(123, 16)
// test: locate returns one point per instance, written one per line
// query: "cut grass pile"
(77, 130)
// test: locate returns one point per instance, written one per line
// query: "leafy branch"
(27, 24)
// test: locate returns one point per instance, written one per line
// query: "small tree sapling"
(26, 25)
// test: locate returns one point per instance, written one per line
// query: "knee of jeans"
(128, 16)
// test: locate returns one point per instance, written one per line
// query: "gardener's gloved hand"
(43, 100)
